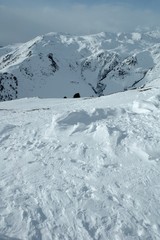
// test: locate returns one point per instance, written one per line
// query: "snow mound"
(144, 107)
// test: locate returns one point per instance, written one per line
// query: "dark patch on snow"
(54, 65)
(76, 95)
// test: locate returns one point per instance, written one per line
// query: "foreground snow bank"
(81, 168)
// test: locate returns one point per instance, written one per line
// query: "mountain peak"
(59, 64)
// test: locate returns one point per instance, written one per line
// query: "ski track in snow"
(83, 172)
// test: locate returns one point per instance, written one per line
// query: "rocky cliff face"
(8, 87)
(56, 65)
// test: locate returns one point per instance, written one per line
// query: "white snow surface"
(81, 169)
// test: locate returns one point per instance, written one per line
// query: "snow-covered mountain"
(88, 168)
(58, 65)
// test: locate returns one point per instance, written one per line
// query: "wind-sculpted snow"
(81, 169)
(60, 65)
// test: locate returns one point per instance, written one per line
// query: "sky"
(22, 20)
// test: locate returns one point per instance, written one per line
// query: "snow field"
(81, 169)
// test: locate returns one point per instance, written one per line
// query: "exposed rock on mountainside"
(8, 86)
(56, 65)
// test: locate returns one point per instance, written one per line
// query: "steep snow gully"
(81, 169)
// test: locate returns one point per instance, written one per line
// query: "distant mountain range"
(60, 65)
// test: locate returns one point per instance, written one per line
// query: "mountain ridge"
(58, 65)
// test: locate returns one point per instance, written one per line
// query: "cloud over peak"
(22, 23)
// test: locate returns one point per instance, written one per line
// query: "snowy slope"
(85, 169)
(58, 65)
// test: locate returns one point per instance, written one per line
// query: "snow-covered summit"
(58, 65)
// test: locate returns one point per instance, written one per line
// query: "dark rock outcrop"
(8, 87)
(76, 95)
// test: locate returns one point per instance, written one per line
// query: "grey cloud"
(22, 24)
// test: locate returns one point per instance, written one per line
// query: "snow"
(136, 36)
(83, 168)
(92, 65)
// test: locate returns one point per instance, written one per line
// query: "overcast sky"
(21, 20)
